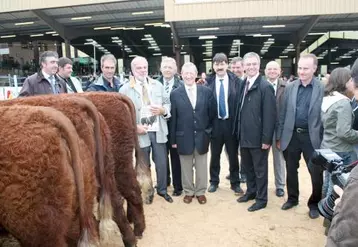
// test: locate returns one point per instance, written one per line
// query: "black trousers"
(301, 143)
(223, 136)
(175, 167)
(254, 162)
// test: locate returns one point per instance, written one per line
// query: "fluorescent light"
(52, 32)
(262, 35)
(81, 18)
(55, 34)
(148, 39)
(24, 23)
(157, 54)
(154, 24)
(334, 62)
(333, 50)
(8, 36)
(345, 56)
(303, 41)
(273, 26)
(147, 35)
(207, 45)
(207, 59)
(165, 25)
(143, 13)
(117, 28)
(208, 29)
(183, 52)
(133, 55)
(90, 40)
(101, 28)
(138, 28)
(115, 37)
(320, 58)
(283, 56)
(36, 35)
(207, 37)
(316, 33)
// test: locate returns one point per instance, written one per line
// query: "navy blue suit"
(191, 128)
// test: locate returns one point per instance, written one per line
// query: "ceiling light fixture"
(36, 35)
(8, 36)
(273, 26)
(101, 28)
(143, 13)
(208, 37)
(208, 29)
(81, 18)
(24, 23)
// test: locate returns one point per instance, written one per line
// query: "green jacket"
(337, 119)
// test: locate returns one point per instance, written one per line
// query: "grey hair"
(252, 54)
(108, 57)
(354, 72)
(169, 60)
(137, 58)
(189, 65)
(236, 60)
(46, 55)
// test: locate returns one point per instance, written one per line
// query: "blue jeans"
(348, 158)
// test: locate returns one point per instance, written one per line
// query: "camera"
(333, 163)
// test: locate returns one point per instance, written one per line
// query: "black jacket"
(191, 128)
(234, 86)
(256, 118)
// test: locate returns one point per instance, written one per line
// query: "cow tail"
(108, 229)
(143, 172)
(88, 231)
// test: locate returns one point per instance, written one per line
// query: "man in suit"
(64, 72)
(273, 72)
(171, 81)
(256, 124)
(153, 110)
(193, 109)
(237, 67)
(300, 131)
(45, 81)
(224, 86)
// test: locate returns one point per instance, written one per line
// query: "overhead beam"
(304, 30)
(66, 33)
(175, 34)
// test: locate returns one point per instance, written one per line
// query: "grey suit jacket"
(288, 114)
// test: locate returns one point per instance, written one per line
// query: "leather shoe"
(212, 188)
(280, 192)
(201, 199)
(177, 193)
(256, 206)
(166, 197)
(188, 199)
(237, 189)
(228, 177)
(246, 198)
(313, 213)
(288, 205)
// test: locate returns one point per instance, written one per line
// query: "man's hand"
(157, 110)
(265, 146)
(142, 129)
(278, 145)
(339, 191)
(174, 146)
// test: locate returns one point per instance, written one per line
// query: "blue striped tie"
(222, 107)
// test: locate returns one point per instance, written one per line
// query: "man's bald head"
(272, 71)
(139, 66)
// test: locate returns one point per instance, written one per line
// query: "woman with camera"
(337, 118)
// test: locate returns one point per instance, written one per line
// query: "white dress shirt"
(191, 89)
(274, 85)
(226, 91)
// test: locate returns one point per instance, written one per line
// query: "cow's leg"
(129, 238)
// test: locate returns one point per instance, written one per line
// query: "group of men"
(238, 108)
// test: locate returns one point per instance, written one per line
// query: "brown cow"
(119, 113)
(84, 114)
(46, 195)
